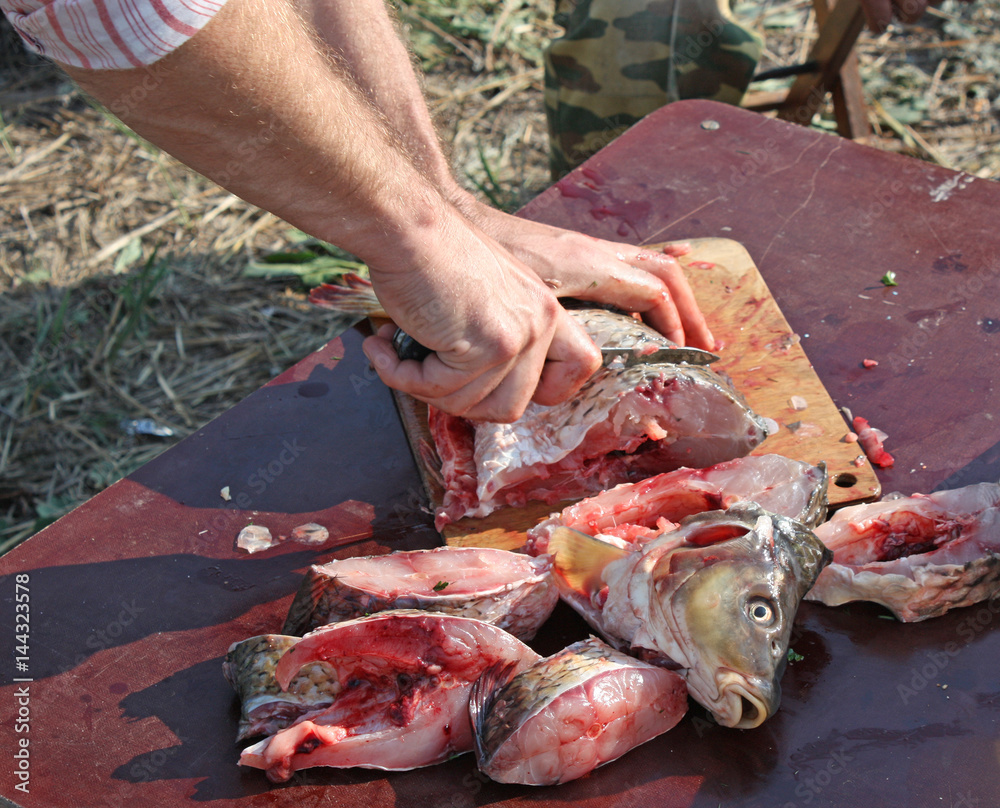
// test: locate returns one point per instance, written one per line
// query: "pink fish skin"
(871, 441)
(918, 556)
(570, 713)
(405, 678)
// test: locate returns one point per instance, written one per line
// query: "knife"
(407, 347)
(674, 354)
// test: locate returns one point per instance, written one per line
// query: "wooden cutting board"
(767, 364)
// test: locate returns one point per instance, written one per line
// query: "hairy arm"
(257, 104)
(574, 265)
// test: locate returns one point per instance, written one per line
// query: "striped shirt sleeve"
(107, 34)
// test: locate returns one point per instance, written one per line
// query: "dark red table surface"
(135, 596)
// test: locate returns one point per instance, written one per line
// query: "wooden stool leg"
(848, 94)
(837, 35)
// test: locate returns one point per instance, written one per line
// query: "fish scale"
(552, 722)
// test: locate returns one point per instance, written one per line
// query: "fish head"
(728, 595)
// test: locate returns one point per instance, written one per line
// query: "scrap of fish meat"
(918, 556)
(625, 424)
(570, 713)
(255, 538)
(642, 510)
(265, 707)
(405, 678)
(714, 599)
(511, 590)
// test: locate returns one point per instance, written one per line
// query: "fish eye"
(761, 611)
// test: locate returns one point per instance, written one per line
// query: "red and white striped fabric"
(107, 34)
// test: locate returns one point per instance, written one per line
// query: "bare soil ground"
(135, 303)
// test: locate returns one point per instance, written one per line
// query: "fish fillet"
(918, 556)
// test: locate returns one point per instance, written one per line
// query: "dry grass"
(123, 294)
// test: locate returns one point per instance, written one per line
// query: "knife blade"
(672, 355)
(407, 347)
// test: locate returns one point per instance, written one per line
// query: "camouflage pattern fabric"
(621, 59)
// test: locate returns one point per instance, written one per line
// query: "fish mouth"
(741, 704)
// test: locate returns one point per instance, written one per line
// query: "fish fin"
(300, 617)
(581, 559)
(483, 695)
(355, 295)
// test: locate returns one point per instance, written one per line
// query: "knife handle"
(408, 348)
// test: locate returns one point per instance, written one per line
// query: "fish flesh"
(404, 678)
(570, 713)
(511, 590)
(714, 599)
(871, 441)
(625, 424)
(642, 510)
(264, 706)
(918, 556)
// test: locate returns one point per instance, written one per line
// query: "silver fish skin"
(570, 713)
(264, 706)
(715, 598)
(919, 556)
(642, 510)
(405, 679)
(511, 590)
(625, 424)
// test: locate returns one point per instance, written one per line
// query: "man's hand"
(581, 266)
(499, 336)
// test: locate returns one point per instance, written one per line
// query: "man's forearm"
(253, 104)
(365, 35)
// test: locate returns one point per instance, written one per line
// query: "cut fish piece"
(639, 511)
(405, 678)
(714, 599)
(510, 590)
(265, 707)
(918, 556)
(625, 424)
(570, 713)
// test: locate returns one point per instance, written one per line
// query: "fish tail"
(581, 559)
